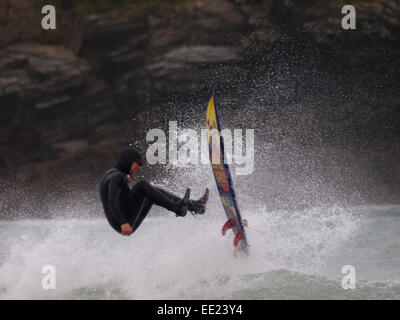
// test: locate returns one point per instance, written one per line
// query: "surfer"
(126, 208)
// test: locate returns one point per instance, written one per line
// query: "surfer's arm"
(114, 191)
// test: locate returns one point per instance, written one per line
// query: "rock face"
(39, 95)
(375, 19)
(67, 92)
(16, 21)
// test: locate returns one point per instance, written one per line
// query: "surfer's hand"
(126, 229)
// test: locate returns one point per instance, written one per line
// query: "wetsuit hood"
(126, 158)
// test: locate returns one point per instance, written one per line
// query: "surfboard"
(224, 182)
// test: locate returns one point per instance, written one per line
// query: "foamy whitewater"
(293, 255)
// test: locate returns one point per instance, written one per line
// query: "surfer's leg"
(155, 196)
(169, 194)
(196, 206)
(143, 211)
(136, 207)
(131, 206)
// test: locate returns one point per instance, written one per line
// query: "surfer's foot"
(183, 205)
(198, 206)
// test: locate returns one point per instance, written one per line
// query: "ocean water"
(293, 255)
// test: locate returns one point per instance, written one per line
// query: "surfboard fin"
(240, 249)
(228, 225)
(238, 237)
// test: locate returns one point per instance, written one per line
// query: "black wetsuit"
(123, 205)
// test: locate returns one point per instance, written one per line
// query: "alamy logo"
(349, 280)
(49, 280)
(49, 20)
(349, 20)
(184, 146)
